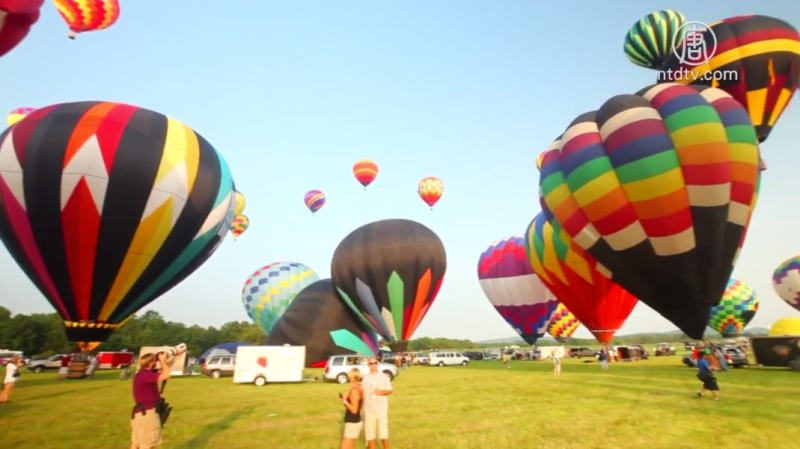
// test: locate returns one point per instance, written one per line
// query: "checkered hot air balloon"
(365, 172)
(514, 290)
(737, 307)
(269, 290)
(577, 279)
(106, 206)
(562, 324)
(659, 188)
(87, 15)
(786, 280)
(16, 19)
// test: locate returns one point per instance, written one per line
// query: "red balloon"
(16, 19)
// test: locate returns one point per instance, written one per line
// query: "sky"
(293, 93)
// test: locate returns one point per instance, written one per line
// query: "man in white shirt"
(377, 387)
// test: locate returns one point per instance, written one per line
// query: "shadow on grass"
(62, 393)
(202, 438)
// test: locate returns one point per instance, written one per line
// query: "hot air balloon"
(314, 200)
(365, 172)
(239, 204)
(659, 188)
(513, 288)
(106, 206)
(786, 280)
(320, 321)
(239, 224)
(577, 280)
(789, 326)
(87, 15)
(737, 307)
(16, 19)
(17, 114)
(430, 189)
(755, 59)
(270, 289)
(562, 324)
(650, 41)
(389, 273)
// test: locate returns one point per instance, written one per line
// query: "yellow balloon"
(239, 204)
(785, 326)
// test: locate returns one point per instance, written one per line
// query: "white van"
(262, 364)
(442, 358)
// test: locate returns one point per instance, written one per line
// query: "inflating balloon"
(513, 288)
(389, 273)
(755, 59)
(650, 41)
(239, 204)
(17, 114)
(430, 189)
(314, 200)
(562, 324)
(16, 19)
(737, 307)
(786, 280)
(87, 15)
(785, 326)
(270, 289)
(659, 187)
(320, 321)
(365, 172)
(106, 206)
(239, 224)
(577, 280)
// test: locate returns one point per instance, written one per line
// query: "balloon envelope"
(785, 326)
(365, 172)
(239, 204)
(270, 289)
(514, 290)
(430, 189)
(389, 273)
(239, 224)
(106, 206)
(320, 321)
(649, 42)
(737, 307)
(314, 200)
(786, 280)
(659, 187)
(17, 114)
(88, 15)
(562, 323)
(19, 17)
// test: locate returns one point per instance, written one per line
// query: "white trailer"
(262, 364)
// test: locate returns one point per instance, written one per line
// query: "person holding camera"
(12, 374)
(145, 420)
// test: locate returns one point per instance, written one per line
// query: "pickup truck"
(52, 362)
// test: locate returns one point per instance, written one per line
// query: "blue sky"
(293, 93)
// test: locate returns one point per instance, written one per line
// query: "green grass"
(649, 404)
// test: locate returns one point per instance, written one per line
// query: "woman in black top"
(352, 410)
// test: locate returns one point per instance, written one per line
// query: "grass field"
(649, 404)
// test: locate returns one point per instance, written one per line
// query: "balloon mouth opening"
(86, 346)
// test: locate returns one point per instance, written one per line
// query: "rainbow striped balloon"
(738, 306)
(314, 200)
(659, 187)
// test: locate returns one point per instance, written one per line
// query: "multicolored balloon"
(17, 114)
(562, 324)
(87, 15)
(239, 204)
(650, 41)
(16, 19)
(737, 307)
(577, 279)
(314, 200)
(239, 224)
(320, 321)
(513, 288)
(389, 273)
(365, 172)
(659, 187)
(430, 189)
(755, 59)
(270, 289)
(106, 206)
(786, 280)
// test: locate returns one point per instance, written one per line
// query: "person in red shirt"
(145, 422)
(64, 369)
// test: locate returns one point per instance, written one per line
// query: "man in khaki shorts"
(377, 387)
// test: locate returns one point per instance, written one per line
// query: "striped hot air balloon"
(87, 15)
(365, 172)
(786, 281)
(562, 324)
(239, 224)
(269, 290)
(314, 200)
(430, 189)
(650, 41)
(659, 188)
(737, 307)
(106, 206)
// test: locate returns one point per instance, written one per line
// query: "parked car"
(337, 367)
(735, 356)
(52, 362)
(219, 366)
(643, 354)
(582, 351)
(448, 358)
(474, 355)
(664, 349)
(421, 358)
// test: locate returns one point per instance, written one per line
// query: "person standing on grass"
(603, 357)
(64, 369)
(145, 422)
(556, 356)
(706, 375)
(377, 386)
(10, 380)
(353, 401)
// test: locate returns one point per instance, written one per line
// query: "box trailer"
(114, 360)
(262, 364)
